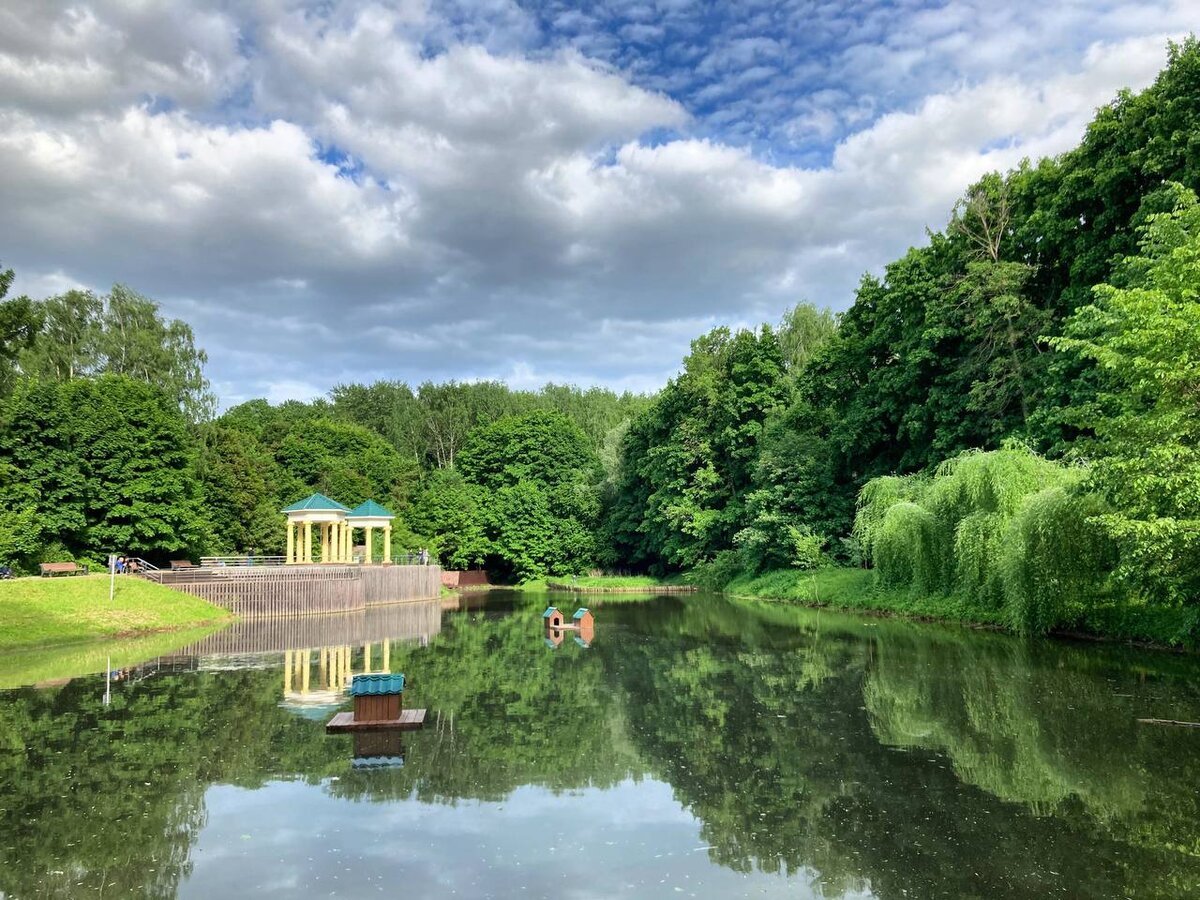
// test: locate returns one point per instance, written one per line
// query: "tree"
(803, 330)
(537, 477)
(1144, 337)
(68, 345)
(107, 463)
(19, 325)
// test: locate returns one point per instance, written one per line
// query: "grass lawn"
(614, 582)
(41, 611)
(855, 589)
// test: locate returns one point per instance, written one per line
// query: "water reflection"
(715, 748)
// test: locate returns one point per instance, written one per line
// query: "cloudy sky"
(333, 191)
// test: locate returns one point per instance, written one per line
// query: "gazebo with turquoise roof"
(330, 516)
(369, 516)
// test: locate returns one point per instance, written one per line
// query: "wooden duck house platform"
(378, 705)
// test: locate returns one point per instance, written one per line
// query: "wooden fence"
(272, 591)
(387, 584)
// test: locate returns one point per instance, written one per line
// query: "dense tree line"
(109, 443)
(1055, 312)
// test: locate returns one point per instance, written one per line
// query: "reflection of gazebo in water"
(334, 674)
(335, 530)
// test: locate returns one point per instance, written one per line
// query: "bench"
(62, 568)
(182, 564)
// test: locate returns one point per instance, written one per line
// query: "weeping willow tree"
(1006, 531)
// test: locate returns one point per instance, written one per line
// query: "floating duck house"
(378, 704)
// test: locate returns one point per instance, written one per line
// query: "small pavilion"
(330, 518)
(369, 516)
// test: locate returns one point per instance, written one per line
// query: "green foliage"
(1144, 340)
(688, 460)
(535, 477)
(19, 325)
(20, 538)
(1007, 532)
(1052, 557)
(448, 511)
(108, 465)
(121, 333)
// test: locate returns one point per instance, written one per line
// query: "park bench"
(62, 568)
(182, 564)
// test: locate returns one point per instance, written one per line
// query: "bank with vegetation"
(1004, 419)
(37, 612)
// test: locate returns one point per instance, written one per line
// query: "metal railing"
(248, 560)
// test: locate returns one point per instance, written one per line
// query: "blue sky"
(342, 191)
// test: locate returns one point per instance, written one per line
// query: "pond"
(698, 747)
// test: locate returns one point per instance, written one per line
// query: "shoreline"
(854, 591)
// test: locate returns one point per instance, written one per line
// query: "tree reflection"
(906, 760)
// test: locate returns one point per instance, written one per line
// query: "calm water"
(697, 748)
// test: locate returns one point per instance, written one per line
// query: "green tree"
(108, 464)
(1144, 337)
(687, 461)
(538, 478)
(68, 345)
(19, 325)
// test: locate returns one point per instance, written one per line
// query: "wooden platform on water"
(410, 720)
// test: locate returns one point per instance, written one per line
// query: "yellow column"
(287, 672)
(345, 551)
(370, 556)
(304, 672)
(324, 542)
(366, 659)
(387, 655)
(323, 667)
(307, 548)
(387, 543)
(291, 543)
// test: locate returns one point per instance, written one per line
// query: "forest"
(1004, 417)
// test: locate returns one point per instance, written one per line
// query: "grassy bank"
(617, 583)
(855, 589)
(43, 611)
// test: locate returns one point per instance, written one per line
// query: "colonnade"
(336, 540)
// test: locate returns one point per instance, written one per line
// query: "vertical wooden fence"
(275, 591)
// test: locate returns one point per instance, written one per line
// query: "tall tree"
(19, 325)
(1144, 336)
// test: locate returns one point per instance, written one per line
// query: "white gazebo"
(369, 516)
(330, 518)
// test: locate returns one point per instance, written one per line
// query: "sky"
(332, 191)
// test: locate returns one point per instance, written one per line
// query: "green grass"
(856, 589)
(616, 582)
(43, 611)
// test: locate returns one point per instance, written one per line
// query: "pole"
(112, 576)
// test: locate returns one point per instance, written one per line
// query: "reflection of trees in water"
(109, 799)
(1052, 728)
(919, 761)
(771, 746)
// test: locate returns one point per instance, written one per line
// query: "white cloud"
(339, 192)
